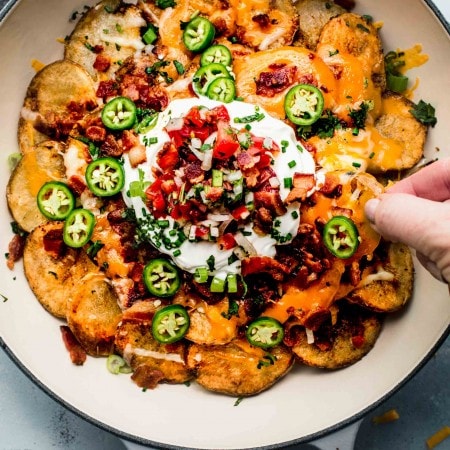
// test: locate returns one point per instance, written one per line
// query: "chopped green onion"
(287, 183)
(232, 283)
(217, 285)
(150, 35)
(116, 364)
(201, 275)
(292, 164)
(217, 178)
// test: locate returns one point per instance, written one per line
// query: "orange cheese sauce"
(40, 175)
(307, 62)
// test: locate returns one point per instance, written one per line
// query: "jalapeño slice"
(206, 75)
(341, 237)
(161, 277)
(303, 104)
(265, 332)
(119, 114)
(222, 89)
(170, 324)
(78, 228)
(105, 177)
(198, 34)
(216, 54)
(55, 200)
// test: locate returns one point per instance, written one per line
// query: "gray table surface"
(30, 420)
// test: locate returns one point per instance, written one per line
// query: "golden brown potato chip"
(110, 31)
(44, 163)
(389, 284)
(135, 342)
(49, 273)
(342, 344)
(237, 368)
(93, 313)
(52, 93)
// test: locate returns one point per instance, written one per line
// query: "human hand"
(416, 211)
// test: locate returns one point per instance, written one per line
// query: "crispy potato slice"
(111, 27)
(342, 344)
(50, 95)
(44, 163)
(313, 15)
(47, 273)
(93, 313)
(153, 362)
(352, 34)
(237, 368)
(391, 285)
(396, 122)
(209, 326)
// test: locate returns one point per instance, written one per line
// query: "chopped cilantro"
(424, 113)
(163, 4)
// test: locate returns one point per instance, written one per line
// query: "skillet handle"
(343, 440)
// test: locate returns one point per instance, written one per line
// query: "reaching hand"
(416, 211)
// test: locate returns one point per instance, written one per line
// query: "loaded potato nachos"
(189, 195)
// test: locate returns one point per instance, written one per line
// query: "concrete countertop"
(30, 420)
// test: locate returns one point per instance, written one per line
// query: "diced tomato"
(168, 157)
(264, 161)
(194, 117)
(240, 213)
(217, 113)
(201, 232)
(226, 142)
(226, 241)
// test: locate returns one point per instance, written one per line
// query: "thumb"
(420, 223)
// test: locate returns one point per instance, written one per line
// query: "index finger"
(431, 182)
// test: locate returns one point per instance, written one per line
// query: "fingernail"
(370, 208)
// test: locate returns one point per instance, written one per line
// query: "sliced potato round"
(390, 285)
(342, 344)
(49, 273)
(237, 368)
(153, 362)
(313, 15)
(351, 34)
(44, 163)
(51, 92)
(112, 27)
(396, 122)
(93, 313)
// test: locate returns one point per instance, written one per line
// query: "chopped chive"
(292, 164)
(287, 182)
(177, 253)
(371, 155)
(294, 214)
(356, 164)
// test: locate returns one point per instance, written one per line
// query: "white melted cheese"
(196, 254)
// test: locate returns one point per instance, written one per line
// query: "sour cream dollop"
(192, 254)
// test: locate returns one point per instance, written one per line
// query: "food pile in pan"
(189, 196)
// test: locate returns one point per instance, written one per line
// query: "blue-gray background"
(30, 420)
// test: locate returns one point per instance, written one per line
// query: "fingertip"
(370, 209)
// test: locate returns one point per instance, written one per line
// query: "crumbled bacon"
(96, 133)
(53, 242)
(147, 377)
(264, 264)
(302, 184)
(168, 157)
(111, 146)
(332, 186)
(109, 88)
(270, 200)
(102, 63)
(263, 20)
(76, 351)
(194, 173)
(77, 184)
(15, 250)
(270, 83)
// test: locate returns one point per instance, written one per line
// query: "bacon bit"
(315, 318)
(131, 91)
(214, 193)
(355, 273)
(332, 186)
(15, 250)
(107, 89)
(263, 20)
(77, 184)
(245, 160)
(77, 353)
(129, 139)
(258, 264)
(194, 173)
(53, 242)
(270, 200)
(252, 177)
(358, 341)
(270, 83)
(102, 63)
(137, 155)
(168, 157)
(147, 377)
(346, 4)
(338, 211)
(96, 133)
(111, 147)
(302, 184)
